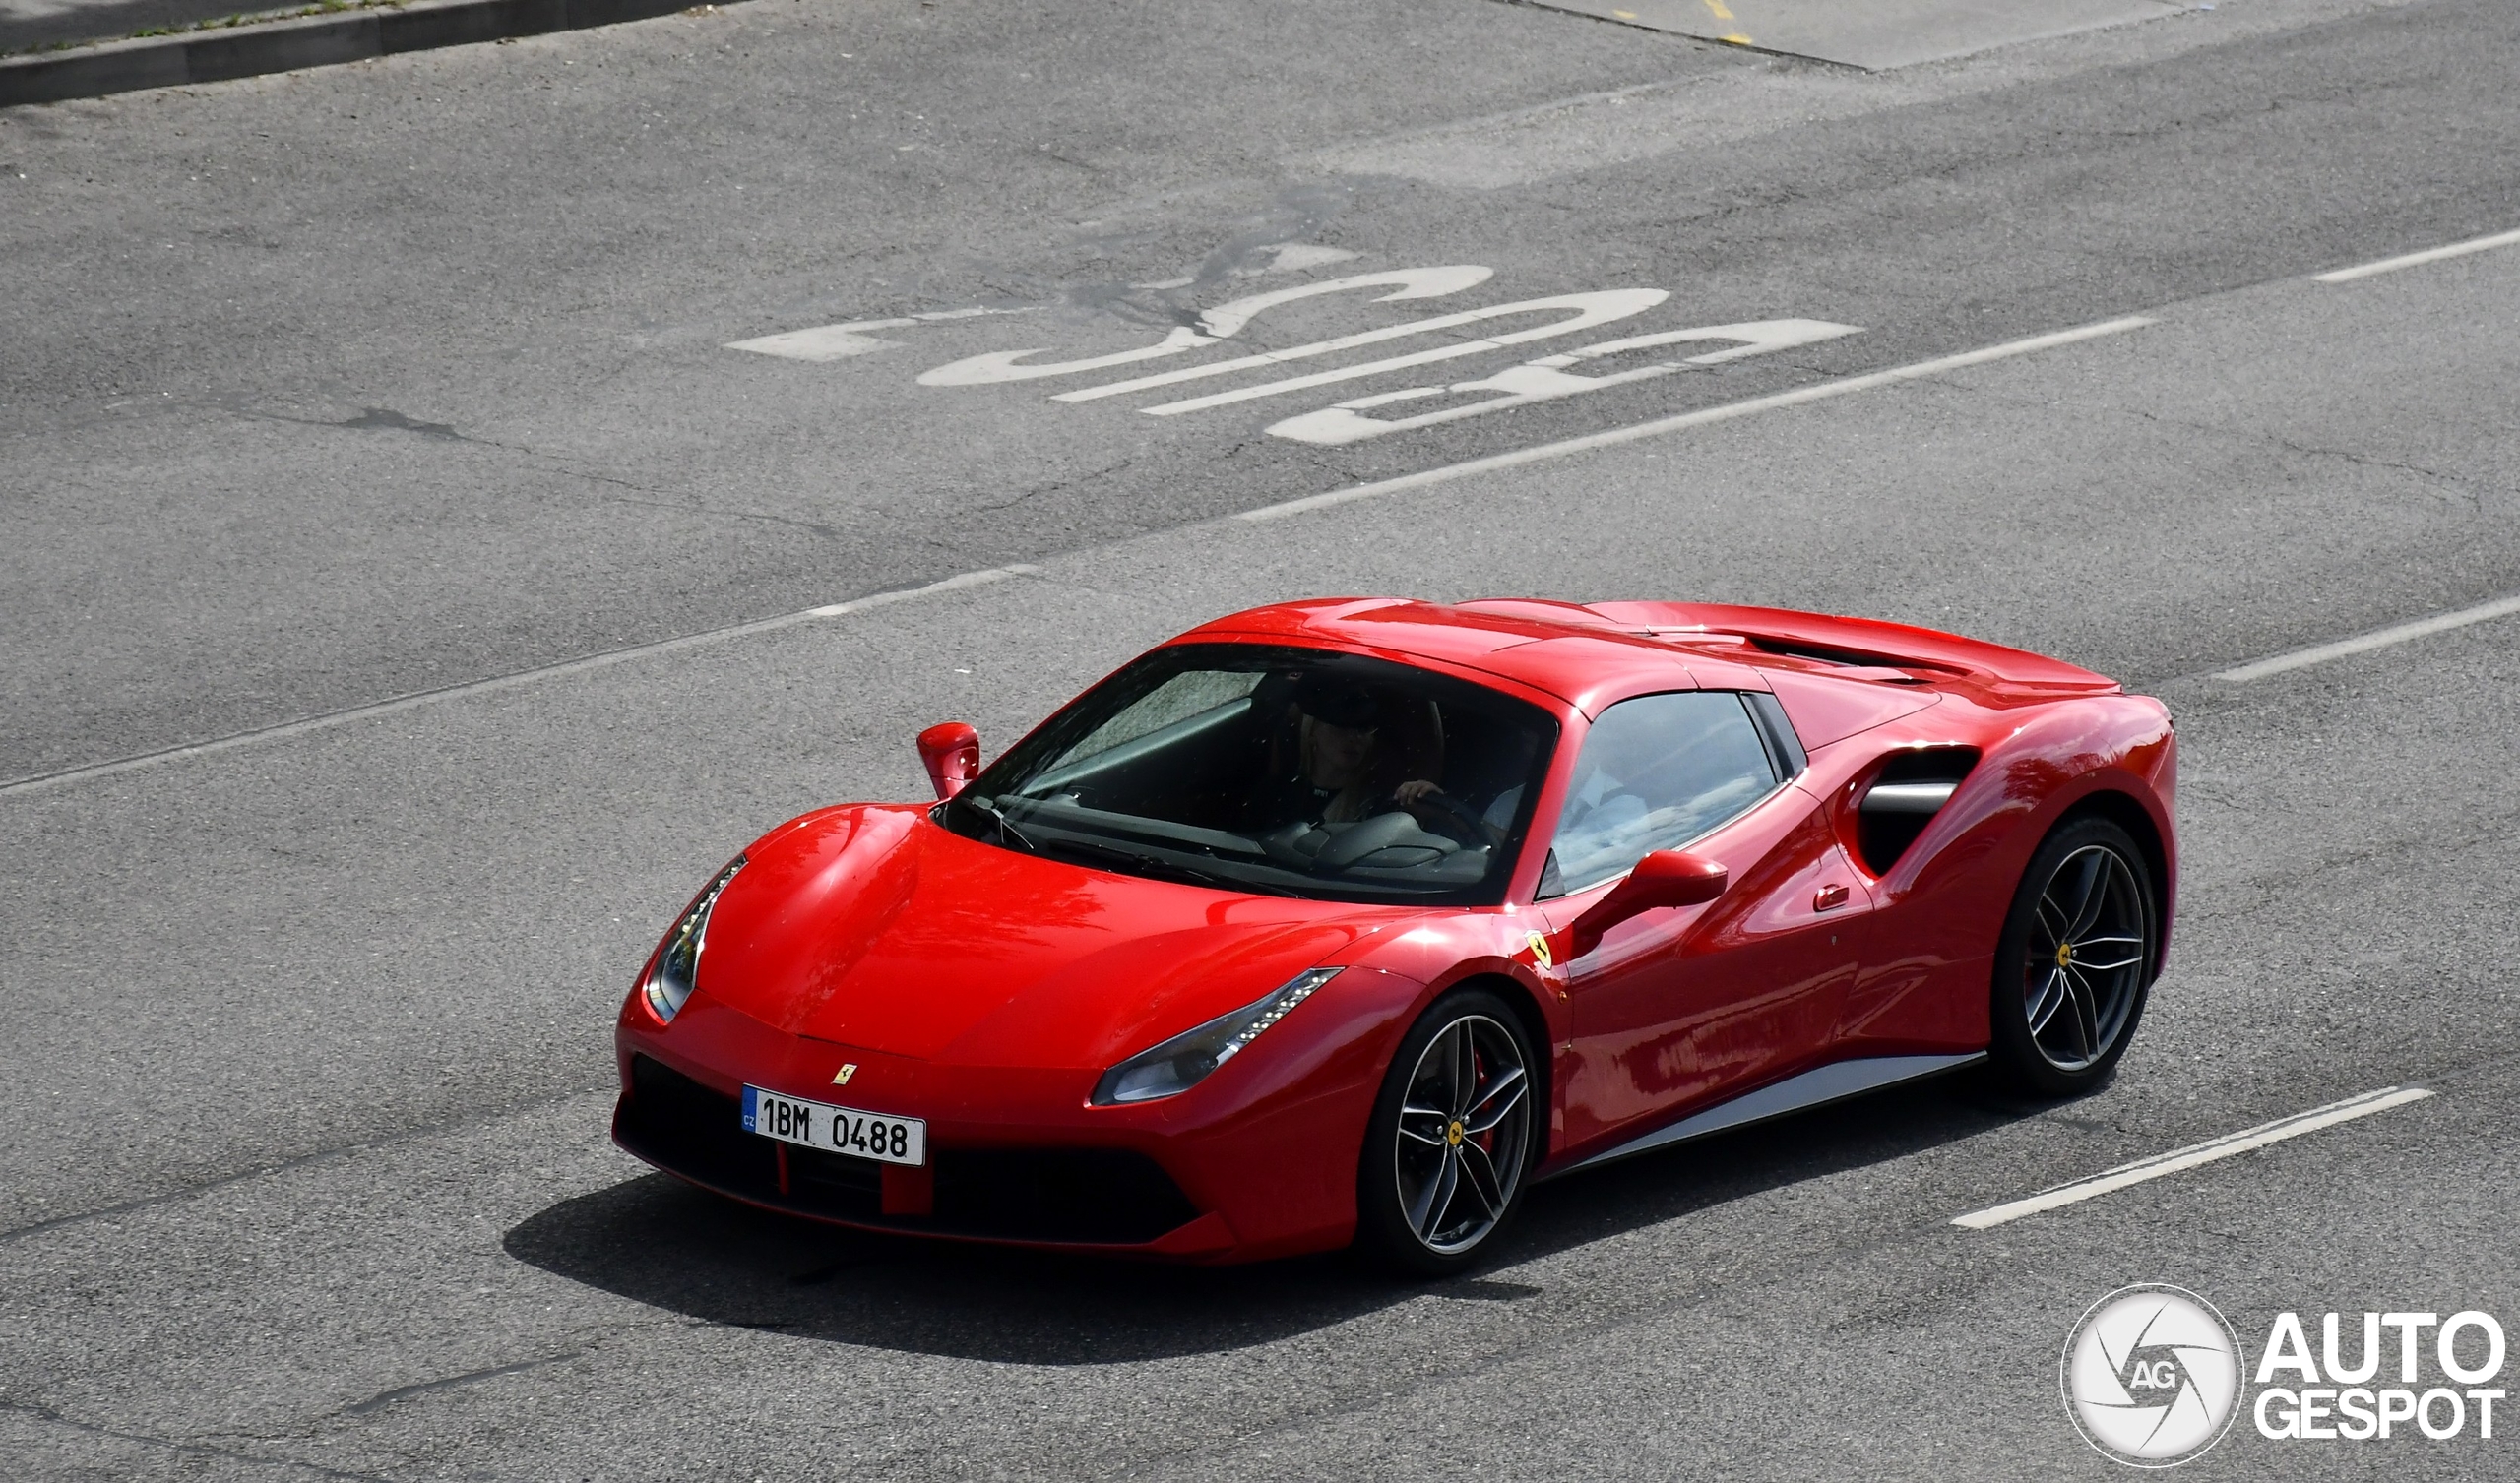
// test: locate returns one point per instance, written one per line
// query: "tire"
(2065, 1003)
(1453, 1137)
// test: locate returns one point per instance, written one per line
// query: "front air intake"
(1102, 1197)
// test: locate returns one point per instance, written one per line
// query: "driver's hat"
(1339, 704)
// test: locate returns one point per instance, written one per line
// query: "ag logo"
(2152, 1375)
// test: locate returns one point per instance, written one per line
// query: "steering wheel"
(1466, 828)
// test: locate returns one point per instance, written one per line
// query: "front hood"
(872, 926)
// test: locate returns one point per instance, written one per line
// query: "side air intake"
(1903, 798)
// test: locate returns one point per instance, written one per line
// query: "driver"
(1336, 727)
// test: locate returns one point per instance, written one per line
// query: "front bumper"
(1110, 1198)
(1259, 1161)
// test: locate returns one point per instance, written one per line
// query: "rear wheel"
(1451, 1137)
(2075, 962)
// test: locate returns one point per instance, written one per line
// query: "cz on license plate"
(836, 1130)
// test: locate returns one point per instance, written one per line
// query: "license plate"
(835, 1130)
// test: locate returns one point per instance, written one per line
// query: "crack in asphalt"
(2472, 490)
(383, 1398)
(385, 418)
(190, 1448)
(689, 507)
(1039, 490)
(296, 1162)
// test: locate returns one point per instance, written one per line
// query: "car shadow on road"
(660, 1242)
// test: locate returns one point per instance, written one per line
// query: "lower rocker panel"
(1815, 1088)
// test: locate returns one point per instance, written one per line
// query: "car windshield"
(1284, 770)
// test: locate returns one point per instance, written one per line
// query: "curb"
(214, 56)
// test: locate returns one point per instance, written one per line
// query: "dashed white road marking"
(2419, 258)
(2194, 1155)
(2302, 659)
(1819, 392)
(42, 782)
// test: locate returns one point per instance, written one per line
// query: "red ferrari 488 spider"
(1347, 920)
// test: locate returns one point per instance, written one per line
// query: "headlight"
(676, 971)
(1182, 1062)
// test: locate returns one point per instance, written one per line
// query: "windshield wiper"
(1160, 866)
(1006, 829)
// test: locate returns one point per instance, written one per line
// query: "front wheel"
(2075, 961)
(1451, 1137)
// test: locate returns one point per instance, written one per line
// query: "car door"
(1677, 1008)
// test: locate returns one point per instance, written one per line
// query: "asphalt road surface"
(377, 428)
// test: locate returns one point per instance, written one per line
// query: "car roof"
(1583, 652)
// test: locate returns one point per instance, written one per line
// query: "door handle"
(1829, 897)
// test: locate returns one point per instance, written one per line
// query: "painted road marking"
(42, 782)
(1546, 380)
(2194, 1155)
(824, 343)
(1344, 343)
(2419, 258)
(1540, 380)
(829, 342)
(1215, 326)
(1715, 7)
(91, 771)
(2302, 658)
(1590, 309)
(1658, 427)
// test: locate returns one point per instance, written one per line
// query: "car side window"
(1657, 772)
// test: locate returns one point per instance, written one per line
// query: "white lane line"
(1796, 398)
(2302, 658)
(42, 782)
(2419, 258)
(2199, 1154)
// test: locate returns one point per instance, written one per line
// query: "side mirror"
(952, 752)
(1664, 878)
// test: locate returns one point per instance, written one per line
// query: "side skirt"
(1818, 1086)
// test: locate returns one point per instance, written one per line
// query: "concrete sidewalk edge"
(212, 57)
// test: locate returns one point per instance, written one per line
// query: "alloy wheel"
(1465, 1128)
(2083, 966)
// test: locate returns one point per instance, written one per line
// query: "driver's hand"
(1414, 790)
